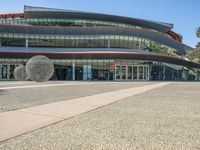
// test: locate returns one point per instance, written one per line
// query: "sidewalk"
(14, 123)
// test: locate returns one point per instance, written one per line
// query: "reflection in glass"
(145, 72)
(117, 72)
(140, 72)
(130, 72)
(134, 72)
(123, 71)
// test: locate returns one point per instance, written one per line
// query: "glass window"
(141, 72)
(102, 42)
(117, 72)
(117, 42)
(145, 72)
(130, 72)
(123, 72)
(121, 45)
(112, 41)
(135, 72)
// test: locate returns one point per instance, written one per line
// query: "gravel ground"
(167, 118)
(19, 98)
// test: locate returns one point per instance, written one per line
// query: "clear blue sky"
(184, 14)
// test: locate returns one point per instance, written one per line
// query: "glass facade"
(103, 69)
(87, 41)
(71, 22)
(86, 70)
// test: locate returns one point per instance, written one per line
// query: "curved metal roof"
(155, 36)
(40, 12)
(94, 54)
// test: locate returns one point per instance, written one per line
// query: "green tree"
(198, 35)
(156, 48)
(194, 55)
(198, 32)
(198, 46)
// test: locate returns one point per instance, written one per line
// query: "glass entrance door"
(79, 73)
(123, 72)
(87, 72)
(130, 72)
(127, 72)
(62, 73)
(118, 72)
(135, 72)
(141, 73)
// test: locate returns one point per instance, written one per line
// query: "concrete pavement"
(16, 96)
(28, 119)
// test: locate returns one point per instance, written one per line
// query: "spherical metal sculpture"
(20, 73)
(39, 68)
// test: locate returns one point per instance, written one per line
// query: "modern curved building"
(92, 46)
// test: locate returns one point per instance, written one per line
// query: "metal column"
(73, 71)
(0, 71)
(8, 72)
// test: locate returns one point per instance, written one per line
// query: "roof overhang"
(41, 12)
(97, 54)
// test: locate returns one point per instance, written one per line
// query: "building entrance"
(79, 73)
(63, 73)
(132, 72)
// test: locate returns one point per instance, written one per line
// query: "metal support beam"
(0, 71)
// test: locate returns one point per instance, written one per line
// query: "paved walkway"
(14, 123)
(13, 97)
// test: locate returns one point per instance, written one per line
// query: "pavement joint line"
(47, 85)
(33, 130)
(36, 117)
(40, 114)
(37, 86)
(12, 83)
